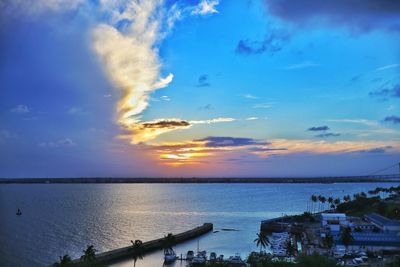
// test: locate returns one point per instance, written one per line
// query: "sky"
(202, 88)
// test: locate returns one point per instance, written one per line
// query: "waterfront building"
(383, 223)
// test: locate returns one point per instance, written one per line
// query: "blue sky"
(145, 88)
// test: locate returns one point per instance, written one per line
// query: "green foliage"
(261, 240)
(168, 242)
(64, 261)
(89, 254)
(346, 236)
(137, 251)
(315, 260)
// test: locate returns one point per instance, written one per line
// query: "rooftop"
(381, 220)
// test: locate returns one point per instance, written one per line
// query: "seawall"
(149, 246)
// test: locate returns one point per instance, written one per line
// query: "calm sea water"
(63, 219)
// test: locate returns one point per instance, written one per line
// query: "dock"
(149, 246)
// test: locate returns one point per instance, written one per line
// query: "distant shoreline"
(110, 180)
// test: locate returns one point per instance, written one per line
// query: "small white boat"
(190, 255)
(170, 256)
(213, 256)
(200, 258)
(236, 260)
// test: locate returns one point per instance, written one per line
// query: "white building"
(333, 221)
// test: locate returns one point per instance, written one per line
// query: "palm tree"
(137, 251)
(314, 200)
(323, 200)
(319, 202)
(346, 236)
(89, 254)
(167, 243)
(261, 241)
(330, 201)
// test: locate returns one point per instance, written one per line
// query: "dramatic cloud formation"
(385, 93)
(130, 56)
(318, 128)
(273, 42)
(203, 81)
(358, 16)
(392, 119)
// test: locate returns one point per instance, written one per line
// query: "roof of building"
(372, 239)
(333, 215)
(381, 220)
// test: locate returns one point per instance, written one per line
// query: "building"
(383, 223)
(333, 221)
(371, 241)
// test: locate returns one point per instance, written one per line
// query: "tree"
(329, 241)
(314, 200)
(346, 236)
(137, 251)
(261, 240)
(64, 260)
(290, 248)
(323, 200)
(167, 243)
(89, 254)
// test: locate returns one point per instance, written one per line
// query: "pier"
(149, 246)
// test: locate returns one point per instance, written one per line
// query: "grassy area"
(364, 205)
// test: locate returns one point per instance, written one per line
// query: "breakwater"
(149, 246)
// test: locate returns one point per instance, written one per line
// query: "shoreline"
(283, 180)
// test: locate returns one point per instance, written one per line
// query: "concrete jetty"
(149, 246)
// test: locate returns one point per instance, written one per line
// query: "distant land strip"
(118, 180)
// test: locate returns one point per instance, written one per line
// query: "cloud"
(250, 96)
(203, 81)
(392, 119)
(165, 98)
(272, 43)
(149, 130)
(226, 141)
(263, 105)
(323, 135)
(318, 128)
(354, 15)
(377, 150)
(251, 118)
(205, 7)
(303, 65)
(206, 107)
(21, 109)
(385, 93)
(355, 121)
(66, 142)
(387, 67)
(76, 111)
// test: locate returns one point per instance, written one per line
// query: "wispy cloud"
(303, 65)
(76, 111)
(262, 105)
(318, 128)
(387, 67)
(273, 42)
(66, 142)
(355, 121)
(251, 118)
(205, 7)
(203, 81)
(20, 109)
(324, 135)
(386, 92)
(250, 96)
(393, 119)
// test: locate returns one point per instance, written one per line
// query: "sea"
(59, 219)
